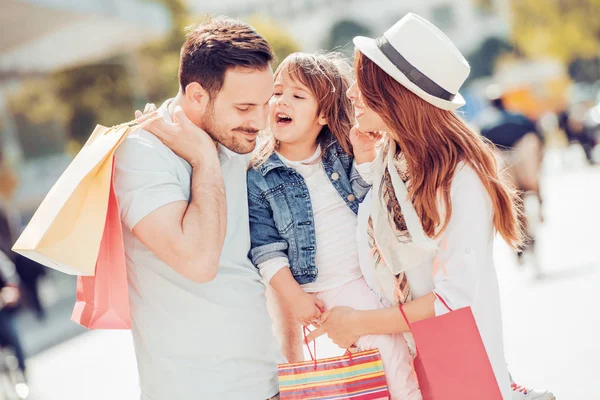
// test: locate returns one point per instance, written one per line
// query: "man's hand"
(182, 136)
(150, 108)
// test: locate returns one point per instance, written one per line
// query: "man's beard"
(229, 139)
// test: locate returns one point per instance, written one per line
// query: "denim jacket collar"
(271, 163)
(274, 161)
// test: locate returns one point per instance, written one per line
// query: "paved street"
(552, 327)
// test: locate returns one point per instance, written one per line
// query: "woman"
(431, 239)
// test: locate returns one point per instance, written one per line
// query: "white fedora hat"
(418, 55)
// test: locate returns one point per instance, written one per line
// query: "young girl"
(304, 187)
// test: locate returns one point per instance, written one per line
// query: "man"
(199, 318)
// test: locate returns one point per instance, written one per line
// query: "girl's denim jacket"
(281, 214)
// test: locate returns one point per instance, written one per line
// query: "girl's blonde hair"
(327, 76)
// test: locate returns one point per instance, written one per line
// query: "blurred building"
(317, 24)
(43, 35)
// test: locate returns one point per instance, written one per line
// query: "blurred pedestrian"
(521, 146)
(10, 292)
(10, 295)
(28, 271)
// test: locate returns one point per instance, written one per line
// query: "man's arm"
(187, 236)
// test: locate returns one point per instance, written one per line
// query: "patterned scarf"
(388, 197)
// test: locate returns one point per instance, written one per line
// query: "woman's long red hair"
(434, 142)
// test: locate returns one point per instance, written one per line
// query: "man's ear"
(197, 97)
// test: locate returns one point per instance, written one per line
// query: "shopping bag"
(451, 361)
(357, 376)
(102, 300)
(66, 230)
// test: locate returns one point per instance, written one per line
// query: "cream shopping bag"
(66, 230)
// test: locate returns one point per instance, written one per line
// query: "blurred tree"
(565, 29)
(93, 93)
(484, 6)
(342, 33)
(158, 63)
(108, 92)
(585, 70)
(282, 42)
(38, 115)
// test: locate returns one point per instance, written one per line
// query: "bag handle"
(440, 298)
(313, 353)
(312, 357)
(131, 124)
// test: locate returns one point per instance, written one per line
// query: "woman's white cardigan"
(460, 268)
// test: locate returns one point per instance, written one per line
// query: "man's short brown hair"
(217, 45)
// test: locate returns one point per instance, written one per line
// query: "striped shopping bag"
(357, 376)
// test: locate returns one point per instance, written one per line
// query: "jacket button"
(335, 176)
(351, 197)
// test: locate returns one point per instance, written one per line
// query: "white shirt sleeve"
(365, 170)
(269, 268)
(144, 179)
(467, 239)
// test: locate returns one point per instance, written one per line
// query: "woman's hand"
(364, 145)
(341, 324)
(345, 325)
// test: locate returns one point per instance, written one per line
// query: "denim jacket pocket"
(282, 215)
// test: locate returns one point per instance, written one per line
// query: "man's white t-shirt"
(193, 340)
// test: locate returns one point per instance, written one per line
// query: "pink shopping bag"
(451, 362)
(103, 299)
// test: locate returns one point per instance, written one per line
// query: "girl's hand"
(364, 144)
(307, 308)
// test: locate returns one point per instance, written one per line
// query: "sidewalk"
(98, 365)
